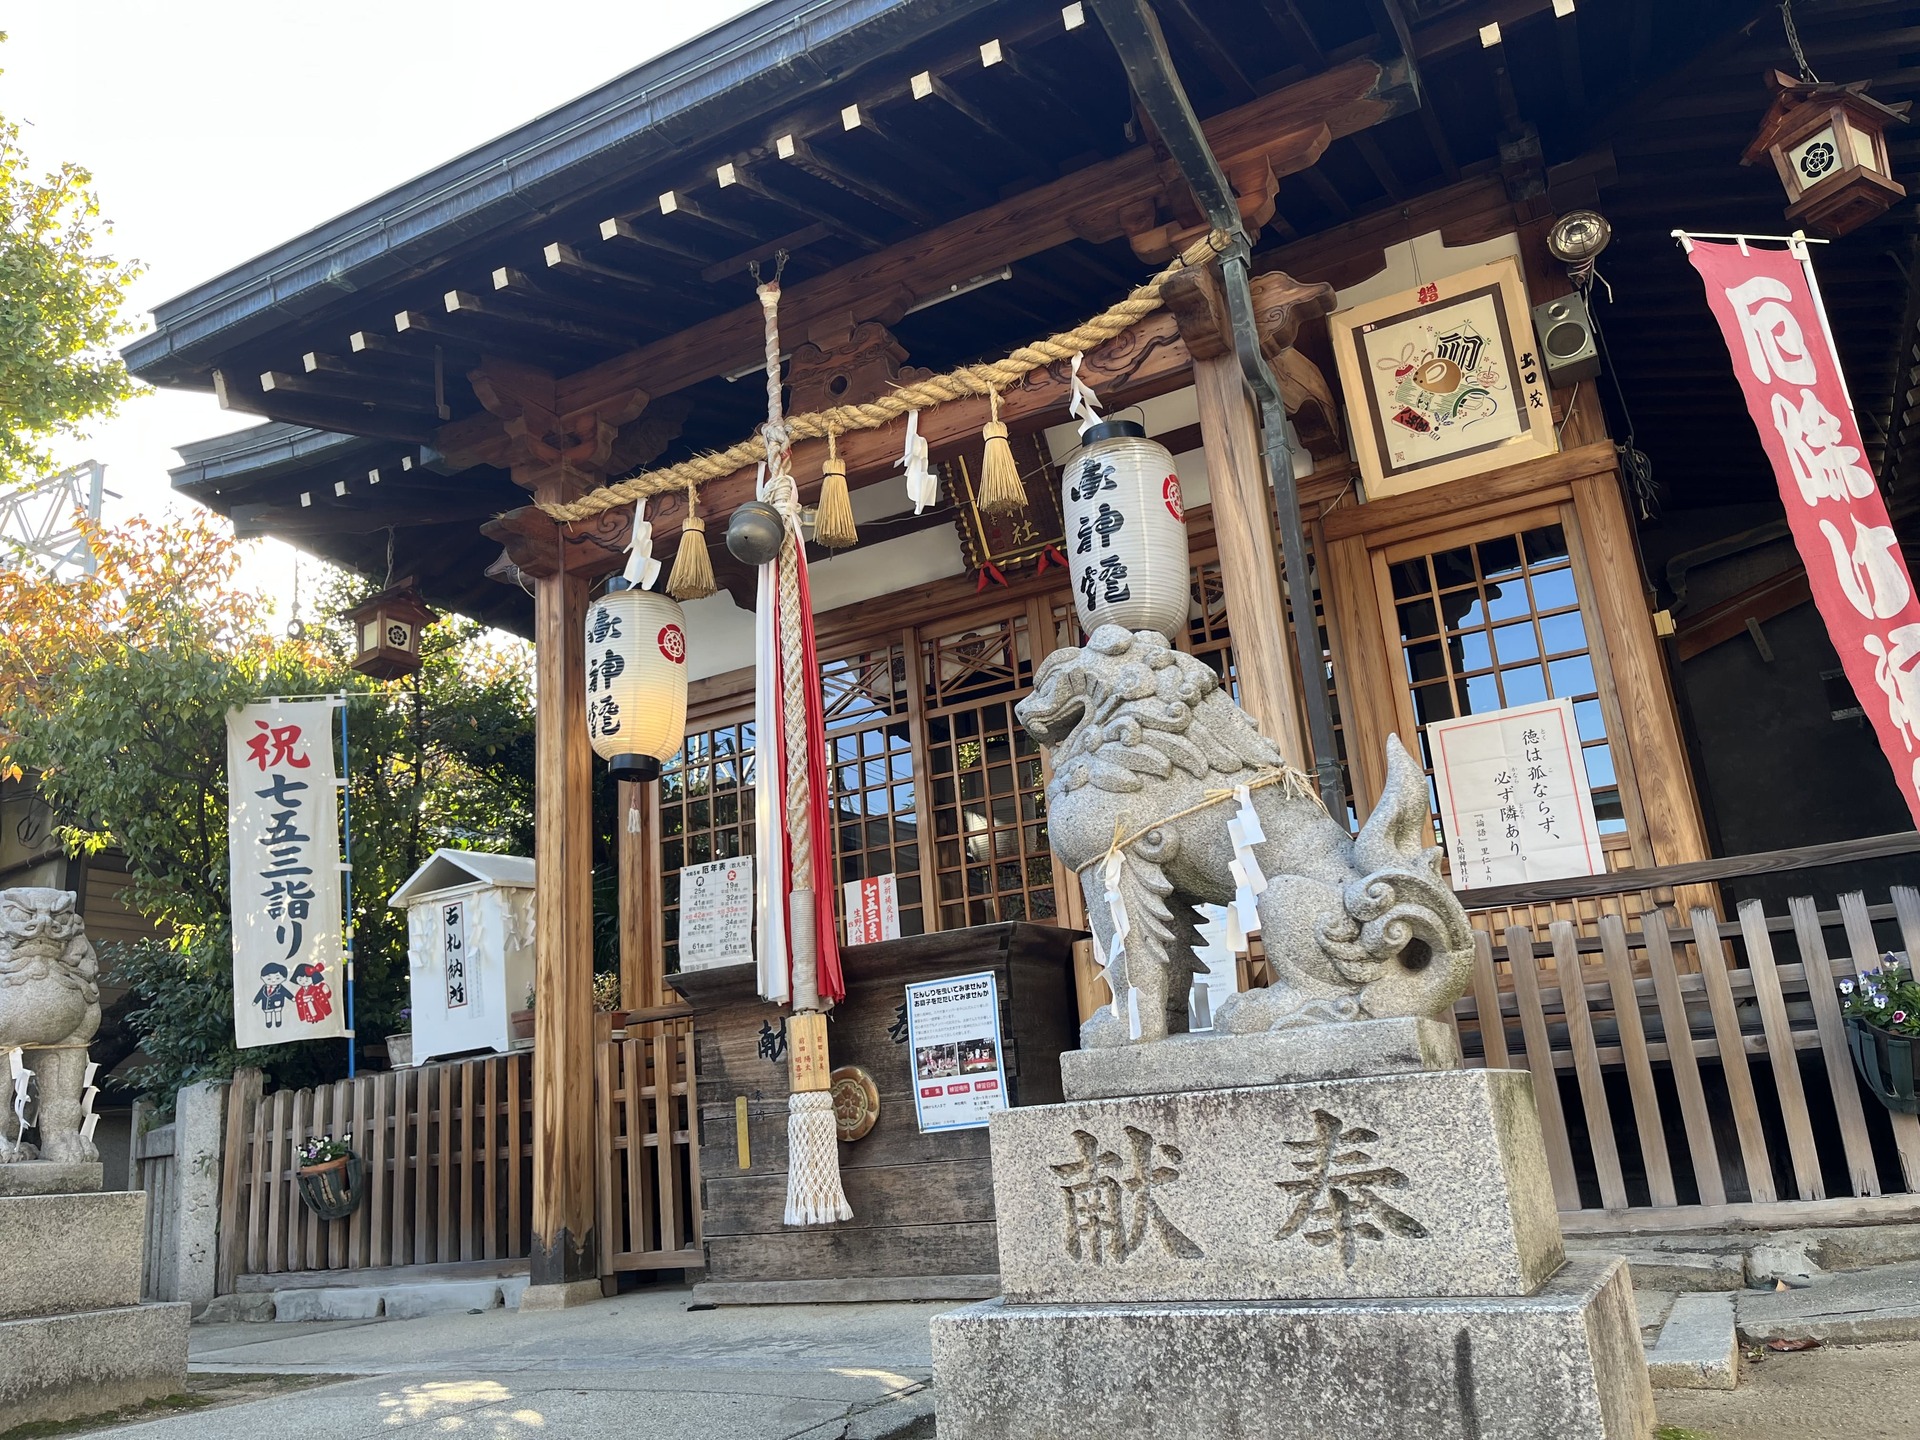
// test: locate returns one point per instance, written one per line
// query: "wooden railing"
(1698, 1071)
(448, 1150)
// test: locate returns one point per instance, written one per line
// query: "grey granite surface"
(1408, 1185)
(1214, 1060)
(1565, 1364)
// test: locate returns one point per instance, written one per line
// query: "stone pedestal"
(74, 1338)
(1370, 1256)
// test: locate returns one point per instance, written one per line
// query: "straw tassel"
(1001, 489)
(692, 577)
(833, 523)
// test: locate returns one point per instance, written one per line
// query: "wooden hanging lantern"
(386, 632)
(1829, 143)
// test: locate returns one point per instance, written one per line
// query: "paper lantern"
(636, 679)
(1829, 145)
(1126, 531)
(386, 632)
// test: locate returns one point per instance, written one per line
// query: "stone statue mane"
(1144, 739)
(50, 1007)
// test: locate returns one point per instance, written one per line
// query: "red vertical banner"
(1770, 315)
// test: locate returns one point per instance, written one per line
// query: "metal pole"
(346, 875)
(1135, 33)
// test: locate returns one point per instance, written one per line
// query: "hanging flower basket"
(1886, 1062)
(331, 1178)
(1883, 1031)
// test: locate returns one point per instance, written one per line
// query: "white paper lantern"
(1126, 531)
(636, 679)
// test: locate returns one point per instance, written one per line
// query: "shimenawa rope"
(968, 380)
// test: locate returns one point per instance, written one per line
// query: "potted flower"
(330, 1176)
(1883, 1031)
(521, 1022)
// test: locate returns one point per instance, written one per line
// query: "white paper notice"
(872, 908)
(1514, 798)
(716, 913)
(953, 1034)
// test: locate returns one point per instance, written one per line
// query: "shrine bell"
(1829, 143)
(386, 632)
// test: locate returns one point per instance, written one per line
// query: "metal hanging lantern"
(1829, 145)
(386, 632)
(755, 533)
(636, 679)
(1126, 531)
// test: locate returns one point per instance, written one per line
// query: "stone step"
(391, 1302)
(59, 1367)
(1698, 1348)
(1859, 1307)
(1679, 1270)
(63, 1253)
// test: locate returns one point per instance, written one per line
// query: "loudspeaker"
(1566, 340)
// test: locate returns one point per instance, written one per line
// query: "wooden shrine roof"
(617, 230)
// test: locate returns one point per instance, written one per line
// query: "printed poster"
(283, 845)
(1515, 803)
(953, 1035)
(716, 913)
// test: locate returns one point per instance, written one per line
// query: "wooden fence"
(1696, 1072)
(155, 1169)
(448, 1149)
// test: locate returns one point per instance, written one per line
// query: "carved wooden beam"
(1149, 359)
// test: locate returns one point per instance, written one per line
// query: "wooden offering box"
(922, 1226)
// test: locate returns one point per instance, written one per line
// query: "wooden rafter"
(929, 86)
(1284, 130)
(797, 152)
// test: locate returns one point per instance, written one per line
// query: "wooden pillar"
(1243, 505)
(642, 959)
(1249, 566)
(564, 1143)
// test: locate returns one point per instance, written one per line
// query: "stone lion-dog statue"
(50, 1007)
(1147, 748)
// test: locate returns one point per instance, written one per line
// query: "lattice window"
(706, 812)
(876, 828)
(1499, 623)
(989, 804)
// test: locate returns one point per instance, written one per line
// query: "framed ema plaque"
(1444, 380)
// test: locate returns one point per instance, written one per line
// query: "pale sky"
(216, 129)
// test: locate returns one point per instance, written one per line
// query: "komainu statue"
(50, 1007)
(1148, 752)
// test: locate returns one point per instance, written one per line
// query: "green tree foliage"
(60, 301)
(126, 727)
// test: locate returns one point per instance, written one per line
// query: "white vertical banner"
(283, 845)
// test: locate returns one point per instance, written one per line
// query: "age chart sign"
(283, 845)
(1769, 310)
(953, 1037)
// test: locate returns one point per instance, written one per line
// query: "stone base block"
(70, 1252)
(1698, 1348)
(448, 1297)
(1565, 1364)
(1418, 1184)
(46, 1177)
(329, 1302)
(1276, 1057)
(560, 1297)
(63, 1366)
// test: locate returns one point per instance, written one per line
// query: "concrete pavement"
(638, 1366)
